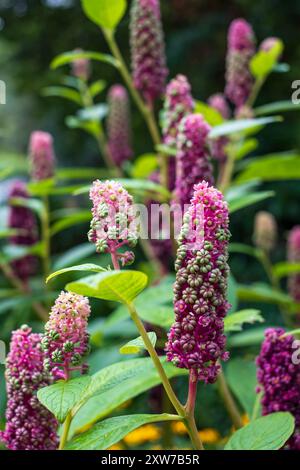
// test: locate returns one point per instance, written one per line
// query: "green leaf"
(245, 147)
(211, 115)
(267, 433)
(285, 268)
(81, 267)
(144, 165)
(244, 249)
(263, 62)
(277, 107)
(41, 188)
(63, 92)
(274, 167)
(248, 200)
(241, 378)
(73, 255)
(232, 294)
(241, 125)
(118, 286)
(251, 337)
(97, 87)
(166, 149)
(259, 292)
(69, 57)
(136, 345)
(61, 397)
(235, 321)
(67, 222)
(105, 13)
(81, 173)
(93, 113)
(106, 433)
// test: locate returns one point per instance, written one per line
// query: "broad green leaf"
(251, 337)
(118, 286)
(105, 13)
(260, 292)
(73, 255)
(235, 321)
(63, 92)
(116, 384)
(81, 173)
(232, 294)
(211, 115)
(166, 149)
(93, 113)
(97, 87)
(263, 62)
(285, 268)
(41, 188)
(106, 433)
(137, 345)
(248, 200)
(246, 147)
(241, 125)
(81, 267)
(91, 127)
(79, 217)
(277, 107)
(267, 433)
(144, 165)
(69, 57)
(273, 167)
(61, 397)
(244, 249)
(241, 377)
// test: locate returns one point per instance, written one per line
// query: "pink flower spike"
(42, 157)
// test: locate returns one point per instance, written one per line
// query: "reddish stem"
(115, 261)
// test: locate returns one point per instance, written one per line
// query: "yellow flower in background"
(116, 447)
(178, 427)
(245, 419)
(147, 433)
(209, 436)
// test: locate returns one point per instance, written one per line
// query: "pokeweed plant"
(198, 148)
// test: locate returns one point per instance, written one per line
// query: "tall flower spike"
(41, 155)
(147, 49)
(269, 43)
(29, 426)
(24, 222)
(218, 146)
(113, 224)
(66, 341)
(178, 104)
(119, 125)
(196, 340)
(81, 68)
(294, 257)
(241, 47)
(279, 378)
(192, 160)
(265, 231)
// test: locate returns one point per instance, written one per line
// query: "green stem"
(190, 412)
(65, 433)
(46, 238)
(255, 91)
(227, 172)
(229, 401)
(145, 110)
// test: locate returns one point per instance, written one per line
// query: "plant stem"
(165, 381)
(229, 401)
(46, 238)
(190, 412)
(227, 172)
(255, 91)
(65, 433)
(145, 110)
(115, 260)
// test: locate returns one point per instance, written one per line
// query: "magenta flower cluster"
(29, 425)
(192, 160)
(113, 224)
(118, 125)
(66, 340)
(147, 49)
(178, 103)
(42, 157)
(279, 378)
(196, 340)
(22, 220)
(241, 48)
(294, 257)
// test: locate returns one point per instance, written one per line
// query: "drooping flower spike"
(22, 220)
(294, 257)
(113, 224)
(241, 48)
(265, 231)
(66, 340)
(279, 378)
(147, 49)
(193, 159)
(41, 156)
(119, 125)
(196, 340)
(29, 425)
(218, 146)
